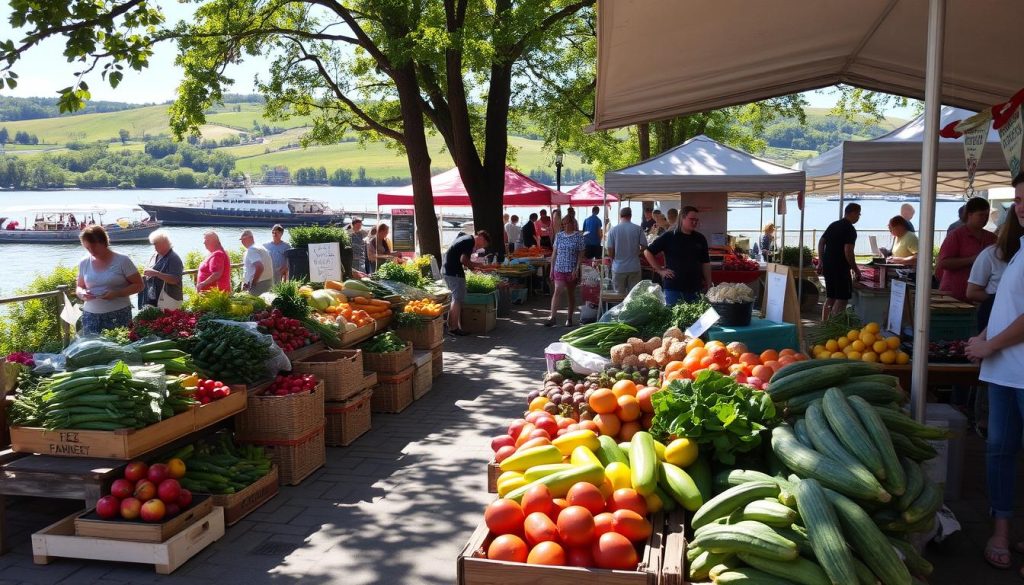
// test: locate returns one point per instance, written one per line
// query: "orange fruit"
(603, 401)
(881, 345)
(690, 363)
(614, 551)
(694, 344)
(537, 499)
(608, 424)
(546, 553)
(590, 426)
(631, 525)
(624, 387)
(539, 528)
(888, 356)
(175, 468)
(643, 397)
(750, 358)
(773, 364)
(627, 499)
(585, 495)
(764, 373)
(769, 355)
(678, 375)
(673, 366)
(717, 367)
(706, 361)
(508, 547)
(629, 429)
(697, 352)
(785, 360)
(629, 408)
(576, 526)
(504, 516)
(537, 404)
(892, 342)
(787, 351)
(719, 354)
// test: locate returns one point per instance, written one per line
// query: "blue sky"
(44, 70)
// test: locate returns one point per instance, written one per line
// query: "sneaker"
(460, 332)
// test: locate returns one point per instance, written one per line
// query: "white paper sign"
(974, 145)
(776, 297)
(1010, 137)
(897, 299)
(70, 314)
(706, 321)
(324, 262)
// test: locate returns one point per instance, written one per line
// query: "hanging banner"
(974, 144)
(403, 229)
(782, 205)
(1010, 135)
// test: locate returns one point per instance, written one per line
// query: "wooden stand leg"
(3, 524)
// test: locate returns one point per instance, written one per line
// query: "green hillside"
(146, 121)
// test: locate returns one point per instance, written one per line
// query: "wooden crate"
(393, 393)
(390, 363)
(437, 363)
(369, 379)
(218, 410)
(240, 504)
(120, 444)
(357, 335)
(349, 420)
(427, 336)
(91, 525)
(59, 540)
(422, 379)
(493, 471)
(673, 559)
(474, 569)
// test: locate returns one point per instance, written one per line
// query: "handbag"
(164, 301)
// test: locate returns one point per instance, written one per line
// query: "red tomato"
(576, 526)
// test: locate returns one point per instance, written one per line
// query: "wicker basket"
(297, 458)
(393, 392)
(341, 371)
(347, 421)
(437, 362)
(281, 418)
(388, 363)
(428, 335)
(422, 380)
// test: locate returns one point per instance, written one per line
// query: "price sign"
(706, 321)
(324, 262)
(776, 294)
(897, 300)
(403, 229)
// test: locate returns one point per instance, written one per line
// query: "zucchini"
(799, 570)
(906, 447)
(825, 533)
(915, 483)
(811, 464)
(826, 442)
(864, 574)
(850, 432)
(854, 368)
(643, 463)
(608, 451)
(700, 472)
(798, 534)
(728, 564)
(895, 481)
(917, 564)
(749, 576)
(925, 505)
(873, 392)
(559, 483)
(868, 541)
(747, 536)
(732, 477)
(887, 379)
(769, 512)
(523, 460)
(700, 565)
(732, 499)
(692, 552)
(800, 428)
(538, 471)
(901, 423)
(678, 485)
(825, 376)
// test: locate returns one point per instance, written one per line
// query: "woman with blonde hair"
(215, 271)
(767, 241)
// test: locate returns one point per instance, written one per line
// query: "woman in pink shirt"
(961, 247)
(215, 271)
(544, 229)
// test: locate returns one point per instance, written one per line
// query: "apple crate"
(218, 410)
(59, 540)
(120, 444)
(91, 525)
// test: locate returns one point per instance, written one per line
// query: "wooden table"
(939, 374)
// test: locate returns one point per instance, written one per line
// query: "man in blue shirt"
(592, 234)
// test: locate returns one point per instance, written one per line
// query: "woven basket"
(422, 380)
(426, 336)
(388, 363)
(281, 418)
(341, 371)
(393, 393)
(437, 362)
(347, 421)
(297, 458)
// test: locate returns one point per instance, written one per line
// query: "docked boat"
(242, 207)
(64, 227)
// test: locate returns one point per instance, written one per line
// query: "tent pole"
(842, 192)
(800, 254)
(929, 166)
(760, 225)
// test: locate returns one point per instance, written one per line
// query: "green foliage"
(119, 335)
(791, 256)
(302, 236)
(35, 325)
(407, 273)
(477, 282)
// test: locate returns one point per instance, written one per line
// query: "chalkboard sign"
(403, 229)
(325, 262)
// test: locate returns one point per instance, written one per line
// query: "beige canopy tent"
(663, 58)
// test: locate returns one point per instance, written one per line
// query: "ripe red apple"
(157, 473)
(548, 424)
(145, 490)
(169, 490)
(108, 507)
(504, 453)
(135, 471)
(535, 433)
(173, 509)
(516, 427)
(130, 508)
(153, 511)
(500, 441)
(122, 488)
(184, 498)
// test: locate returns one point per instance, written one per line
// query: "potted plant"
(302, 236)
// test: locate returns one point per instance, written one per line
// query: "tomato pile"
(173, 324)
(147, 492)
(209, 390)
(733, 262)
(289, 334)
(285, 384)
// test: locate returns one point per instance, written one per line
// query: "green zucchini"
(906, 447)
(800, 428)
(810, 380)
(769, 512)
(679, 486)
(608, 451)
(700, 565)
(825, 533)
(915, 483)
(901, 423)
(747, 536)
(917, 564)
(733, 499)
(868, 541)
(798, 534)
(700, 472)
(895, 481)
(728, 564)
(864, 574)
(808, 463)
(799, 570)
(643, 463)
(926, 504)
(732, 477)
(850, 432)
(749, 576)
(826, 442)
(873, 392)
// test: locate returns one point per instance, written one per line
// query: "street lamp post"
(558, 171)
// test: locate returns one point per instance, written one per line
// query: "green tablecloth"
(759, 335)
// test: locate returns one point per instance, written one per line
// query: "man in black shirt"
(455, 258)
(530, 232)
(836, 261)
(687, 269)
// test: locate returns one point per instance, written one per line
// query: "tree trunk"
(418, 156)
(488, 204)
(643, 134)
(664, 129)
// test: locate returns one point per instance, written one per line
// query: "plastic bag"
(277, 361)
(90, 350)
(48, 363)
(583, 362)
(644, 301)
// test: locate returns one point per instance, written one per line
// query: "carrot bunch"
(375, 308)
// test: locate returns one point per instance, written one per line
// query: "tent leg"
(800, 277)
(842, 193)
(929, 176)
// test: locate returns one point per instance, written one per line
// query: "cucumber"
(608, 451)
(864, 574)
(538, 471)
(915, 483)
(700, 565)
(826, 442)
(769, 512)
(825, 533)
(800, 428)
(747, 536)
(643, 463)
(925, 505)
(906, 447)
(895, 481)
(749, 576)
(678, 485)
(733, 499)
(887, 379)
(868, 541)
(782, 388)
(917, 564)
(700, 472)
(873, 392)
(811, 464)
(850, 432)
(799, 570)
(901, 423)
(559, 483)
(798, 534)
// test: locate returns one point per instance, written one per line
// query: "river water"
(21, 262)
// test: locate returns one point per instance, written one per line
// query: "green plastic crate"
(953, 326)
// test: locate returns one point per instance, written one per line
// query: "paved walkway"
(398, 505)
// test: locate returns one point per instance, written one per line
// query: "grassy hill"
(149, 121)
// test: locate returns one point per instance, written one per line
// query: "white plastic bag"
(583, 362)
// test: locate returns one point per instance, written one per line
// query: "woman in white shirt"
(989, 266)
(106, 281)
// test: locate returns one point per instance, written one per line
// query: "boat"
(64, 227)
(240, 206)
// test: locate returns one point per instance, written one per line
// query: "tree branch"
(364, 39)
(516, 50)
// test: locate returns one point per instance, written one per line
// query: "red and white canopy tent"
(520, 191)
(656, 62)
(590, 193)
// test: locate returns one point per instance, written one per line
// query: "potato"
(647, 360)
(637, 344)
(660, 356)
(666, 342)
(652, 344)
(677, 351)
(674, 333)
(619, 353)
(631, 360)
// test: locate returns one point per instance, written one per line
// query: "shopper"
(648, 221)
(378, 250)
(836, 261)
(687, 269)
(961, 248)
(592, 233)
(959, 223)
(988, 268)
(672, 215)
(513, 233)
(529, 233)
(904, 248)
(1000, 348)
(106, 281)
(161, 279)
(358, 235)
(215, 270)
(626, 242)
(277, 247)
(545, 229)
(907, 213)
(456, 260)
(767, 242)
(660, 224)
(566, 264)
(258, 268)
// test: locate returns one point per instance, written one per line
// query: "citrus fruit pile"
(867, 344)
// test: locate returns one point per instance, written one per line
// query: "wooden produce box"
(427, 336)
(673, 559)
(357, 335)
(91, 525)
(369, 379)
(341, 371)
(422, 379)
(479, 318)
(493, 471)
(474, 569)
(389, 363)
(348, 420)
(240, 504)
(59, 540)
(120, 444)
(304, 352)
(218, 410)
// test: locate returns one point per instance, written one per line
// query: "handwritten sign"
(324, 262)
(776, 294)
(1010, 137)
(403, 229)
(706, 321)
(897, 300)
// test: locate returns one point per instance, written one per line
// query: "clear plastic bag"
(92, 350)
(278, 361)
(639, 305)
(583, 362)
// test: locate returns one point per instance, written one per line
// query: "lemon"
(823, 355)
(872, 328)
(892, 342)
(831, 345)
(853, 334)
(888, 357)
(681, 452)
(869, 356)
(867, 338)
(817, 349)
(843, 342)
(853, 355)
(857, 345)
(839, 355)
(902, 358)
(619, 475)
(880, 346)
